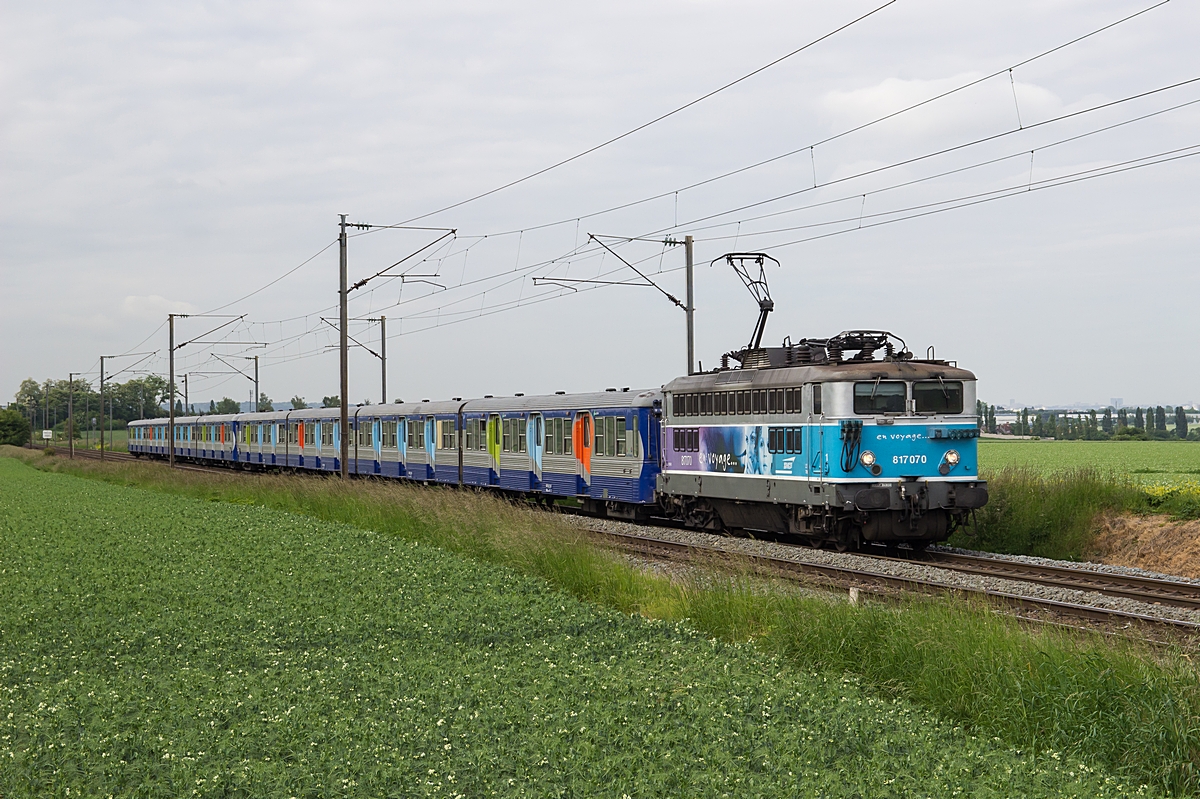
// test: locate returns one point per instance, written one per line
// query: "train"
(839, 441)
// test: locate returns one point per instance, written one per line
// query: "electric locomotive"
(803, 440)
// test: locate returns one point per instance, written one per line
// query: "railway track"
(870, 581)
(1155, 591)
(1147, 590)
(116, 456)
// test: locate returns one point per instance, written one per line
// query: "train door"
(431, 446)
(581, 434)
(816, 466)
(493, 448)
(535, 435)
(377, 444)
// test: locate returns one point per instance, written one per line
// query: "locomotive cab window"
(938, 396)
(880, 396)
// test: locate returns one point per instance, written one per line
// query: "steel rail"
(1152, 590)
(859, 578)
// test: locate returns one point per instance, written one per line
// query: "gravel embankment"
(920, 571)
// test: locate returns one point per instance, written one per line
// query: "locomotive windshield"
(880, 396)
(939, 396)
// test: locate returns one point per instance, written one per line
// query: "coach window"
(599, 449)
(621, 440)
(416, 434)
(938, 396)
(880, 396)
(562, 436)
(784, 440)
(816, 399)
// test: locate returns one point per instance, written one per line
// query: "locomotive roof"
(820, 373)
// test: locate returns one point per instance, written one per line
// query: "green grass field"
(161, 646)
(196, 639)
(1149, 462)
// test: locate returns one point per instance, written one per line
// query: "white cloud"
(154, 307)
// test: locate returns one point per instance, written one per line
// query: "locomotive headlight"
(952, 457)
(867, 458)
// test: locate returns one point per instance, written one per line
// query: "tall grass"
(1119, 705)
(1053, 515)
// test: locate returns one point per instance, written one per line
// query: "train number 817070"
(909, 459)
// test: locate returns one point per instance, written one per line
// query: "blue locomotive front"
(802, 440)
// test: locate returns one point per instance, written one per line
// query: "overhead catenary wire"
(945, 173)
(657, 119)
(576, 251)
(1018, 191)
(810, 148)
(935, 153)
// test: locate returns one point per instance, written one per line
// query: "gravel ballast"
(912, 569)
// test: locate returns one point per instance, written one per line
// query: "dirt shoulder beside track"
(1153, 542)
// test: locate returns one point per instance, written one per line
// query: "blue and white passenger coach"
(599, 449)
(802, 440)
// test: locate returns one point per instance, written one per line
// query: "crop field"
(1148, 462)
(158, 645)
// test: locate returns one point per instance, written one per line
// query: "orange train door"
(581, 438)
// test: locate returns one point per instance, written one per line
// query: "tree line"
(1126, 424)
(46, 405)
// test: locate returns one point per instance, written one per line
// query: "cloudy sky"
(1039, 227)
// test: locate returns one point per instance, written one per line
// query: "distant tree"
(179, 407)
(1137, 420)
(14, 428)
(265, 404)
(212, 406)
(1106, 424)
(1160, 419)
(1122, 418)
(298, 403)
(331, 402)
(227, 405)
(1180, 422)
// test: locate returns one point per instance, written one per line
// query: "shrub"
(14, 428)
